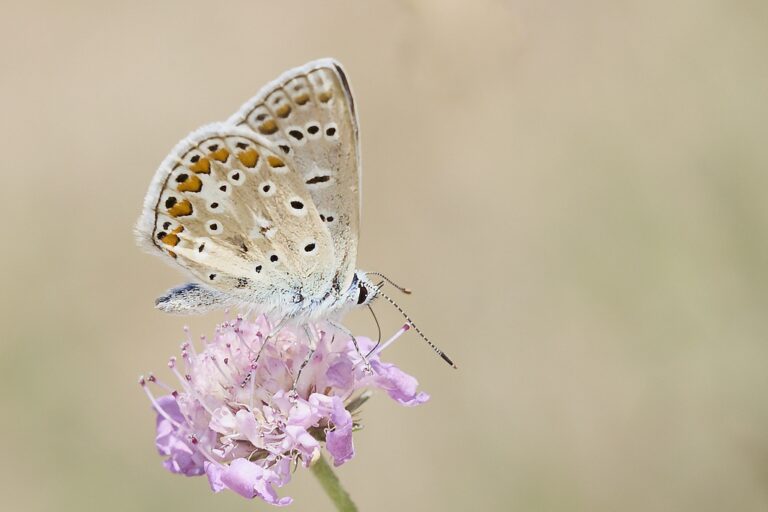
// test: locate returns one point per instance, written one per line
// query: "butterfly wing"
(309, 114)
(227, 207)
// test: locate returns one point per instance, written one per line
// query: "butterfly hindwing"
(308, 113)
(230, 208)
(193, 298)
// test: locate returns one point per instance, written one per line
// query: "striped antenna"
(410, 322)
(403, 289)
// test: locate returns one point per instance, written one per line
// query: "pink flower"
(241, 422)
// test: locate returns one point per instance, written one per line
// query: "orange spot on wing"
(202, 166)
(283, 111)
(220, 155)
(249, 158)
(301, 99)
(325, 96)
(268, 127)
(180, 209)
(191, 184)
(275, 162)
(170, 239)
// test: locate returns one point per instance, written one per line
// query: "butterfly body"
(263, 209)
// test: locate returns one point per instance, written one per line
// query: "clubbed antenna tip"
(410, 323)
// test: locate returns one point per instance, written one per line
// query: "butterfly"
(263, 210)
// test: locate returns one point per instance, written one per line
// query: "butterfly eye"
(362, 294)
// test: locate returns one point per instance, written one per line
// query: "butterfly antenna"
(442, 354)
(403, 289)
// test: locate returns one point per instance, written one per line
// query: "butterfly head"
(362, 291)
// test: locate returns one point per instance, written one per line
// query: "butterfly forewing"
(308, 114)
(230, 207)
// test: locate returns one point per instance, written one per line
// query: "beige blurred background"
(575, 190)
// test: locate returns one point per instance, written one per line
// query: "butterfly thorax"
(336, 302)
(306, 305)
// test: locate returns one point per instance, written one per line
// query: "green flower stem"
(332, 486)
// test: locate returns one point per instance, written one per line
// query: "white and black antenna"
(378, 291)
(403, 289)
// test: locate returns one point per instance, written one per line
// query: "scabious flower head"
(245, 423)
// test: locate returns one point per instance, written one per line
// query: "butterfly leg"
(271, 335)
(346, 331)
(312, 347)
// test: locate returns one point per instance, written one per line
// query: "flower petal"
(399, 385)
(171, 408)
(250, 480)
(297, 438)
(183, 457)
(249, 427)
(222, 421)
(302, 414)
(213, 472)
(340, 375)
